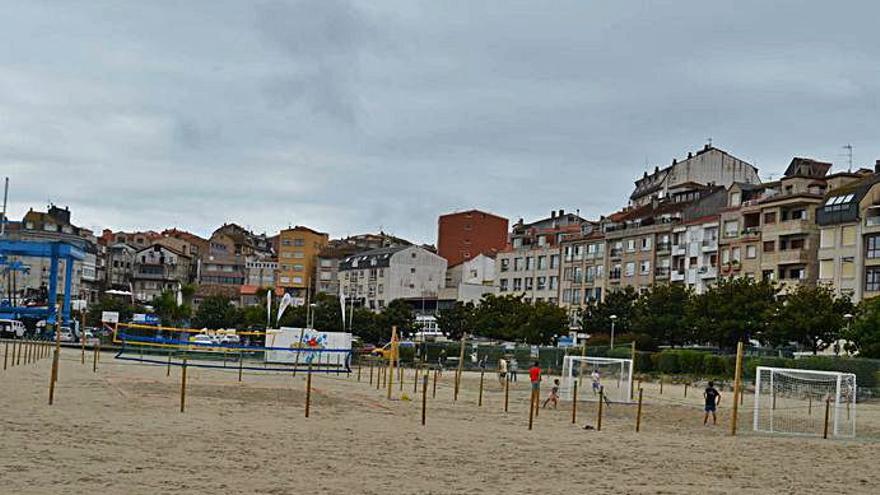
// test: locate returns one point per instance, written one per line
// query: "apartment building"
(708, 166)
(849, 235)
(374, 278)
(297, 258)
(583, 268)
(469, 280)
(336, 250)
(158, 268)
(464, 235)
(695, 252)
(530, 266)
(120, 266)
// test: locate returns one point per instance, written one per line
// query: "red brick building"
(463, 235)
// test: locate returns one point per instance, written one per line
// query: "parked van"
(11, 329)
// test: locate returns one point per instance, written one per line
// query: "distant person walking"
(441, 362)
(597, 381)
(502, 370)
(713, 398)
(512, 368)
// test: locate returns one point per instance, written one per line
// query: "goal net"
(591, 373)
(792, 401)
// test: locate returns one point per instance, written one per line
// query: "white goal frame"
(618, 391)
(841, 394)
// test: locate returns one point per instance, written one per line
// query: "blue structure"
(55, 251)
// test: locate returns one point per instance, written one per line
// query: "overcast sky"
(354, 116)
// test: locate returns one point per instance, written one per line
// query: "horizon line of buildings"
(693, 222)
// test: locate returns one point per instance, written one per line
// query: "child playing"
(713, 398)
(554, 395)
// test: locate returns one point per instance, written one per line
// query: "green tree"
(216, 312)
(499, 317)
(397, 313)
(543, 323)
(733, 310)
(457, 320)
(863, 336)
(170, 313)
(107, 303)
(661, 313)
(810, 315)
(620, 303)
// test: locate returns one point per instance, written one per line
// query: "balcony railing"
(662, 272)
(616, 252)
(614, 275)
(664, 246)
(872, 221)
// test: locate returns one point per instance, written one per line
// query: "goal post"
(793, 401)
(614, 375)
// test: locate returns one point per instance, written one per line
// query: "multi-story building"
(158, 268)
(530, 265)
(709, 166)
(297, 259)
(464, 235)
(849, 234)
(583, 268)
(197, 246)
(120, 266)
(469, 280)
(740, 230)
(375, 278)
(695, 252)
(261, 272)
(338, 249)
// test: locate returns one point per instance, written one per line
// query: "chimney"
(877, 166)
(690, 155)
(561, 212)
(552, 213)
(706, 147)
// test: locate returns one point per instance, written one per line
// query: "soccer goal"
(614, 375)
(791, 401)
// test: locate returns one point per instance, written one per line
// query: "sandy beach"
(120, 431)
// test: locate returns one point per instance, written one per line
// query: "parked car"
(11, 329)
(366, 349)
(65, 335)
(201, 341)
(230, 340)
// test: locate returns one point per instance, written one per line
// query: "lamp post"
(849, 318)
(613, 320)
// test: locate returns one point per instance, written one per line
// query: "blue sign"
(565, 341)
(145, 319)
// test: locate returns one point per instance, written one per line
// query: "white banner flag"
(342, 304)
(285, 302)
(268, 308)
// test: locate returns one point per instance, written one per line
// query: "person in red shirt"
(535, 376)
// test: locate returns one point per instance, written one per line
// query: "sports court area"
(120, 430)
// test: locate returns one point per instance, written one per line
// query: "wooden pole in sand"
(434, 392)
(480, 400)
(506, 391)
(240, 363)
(827, 413)
(460, 366)
(371, 372)
(737, 384)
(685, 390)
(18, 355)
(27, 352)
(168, 366)
(183, 386)
(95, 358)
(639, 412)
(5, 355)
(309, 390)
(601, 403)
(583, 363)
(415, 379)
(661, 385)
(531, 408)
(359, 369)
(424, 397)
(574, 404)
(52, 377)
(82, 339)
(391, 362)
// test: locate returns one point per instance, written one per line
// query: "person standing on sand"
(512, 369)
(441, 362)
(502, 370)
(713, 398)
(535, 376)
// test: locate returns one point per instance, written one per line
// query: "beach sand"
(120, 431)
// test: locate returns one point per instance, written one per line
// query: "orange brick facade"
(463, 236)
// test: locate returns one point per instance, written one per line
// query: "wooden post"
(480, 399)
(773, 406)
(574, 403)
(240, 364)
(632, 370)
(5, 355)
(601, 403)
(391, 362)
(685, 390)
(415, 379)
(18, 355)
(531, 408)
(460, 366)
(506, 391)
(583, 362)
(82, 341)
(809, 405)
(183, 386)
(827, 413)
(380, 377)
(661, 385)
(639, 412)
(168, 366)
(434, 392)
(424, 397)
(737, 386)
(400, 376)
(53, 378)
(95, 358)
(359, 370)
(308, 389)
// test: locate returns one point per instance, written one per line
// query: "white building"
(375, 278)
(469, 280)
(695, 253)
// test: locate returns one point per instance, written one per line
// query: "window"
(826, 269)
(735, 254)
(770, 217)
(297, 268)
(554, 282)
(299, 255)
(578, 274)
(297, 280)
(872, 279)
(826, 238)
(590, 274)
(505, 264)
(542, 283)
(725, 256)
(326, 263)
(502, 285)
(554, 261)
(630, 245)
(299, 242)
(769, 246)
(848, 235)
(735, 198)
(517, 264)
(578, 252)
(751, 251)
(630, 269)
(542, 240)
(847, 268)
(412, 270)
(542, 262)
(529, 263)
(646, 244)
(644, 267)
(731, 228)
(530, 283)
(872, 250)
(576, 296)
(517, 284)
(566, 296)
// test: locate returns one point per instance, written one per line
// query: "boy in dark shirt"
(713, 398)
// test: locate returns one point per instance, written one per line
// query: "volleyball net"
(282, 350)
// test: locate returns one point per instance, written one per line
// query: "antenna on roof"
(849, 149)
(709, 141)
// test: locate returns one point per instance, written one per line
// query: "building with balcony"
(336, 250)
(849, 235)
(530, 265)
(158, 268)
(583, 268)
(374, 278)
(298, 257)
(695, 258)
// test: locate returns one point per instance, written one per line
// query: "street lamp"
(849, 318)
(613, 319)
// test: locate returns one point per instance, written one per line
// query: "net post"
(639, 412)
(434, 392)
(391, 362)
(52, 377)
(183, 386)
(168, 366)
(95, 358)
(415, 379)
(480, 400)
(371, 371)
(506, 391)
(632, 369)
(359, 368)
(5, 355)
(424, 397)
(827, 412)
(661, 385)
(601, 403)
(460, 366)
(737, 383)
(18, 355)
(685, 390)
(837, 406)
(240, 363)
(308, 389)
(531, 408)
(574, 403)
